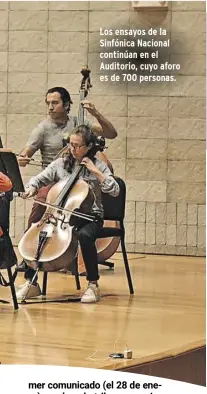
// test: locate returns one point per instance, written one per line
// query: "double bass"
(106, 247)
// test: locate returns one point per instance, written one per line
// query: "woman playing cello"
(100, 179)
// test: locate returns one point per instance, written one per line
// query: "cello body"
(61, 245)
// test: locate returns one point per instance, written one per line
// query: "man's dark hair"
(64, 94)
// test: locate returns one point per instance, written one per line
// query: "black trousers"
(87, 235)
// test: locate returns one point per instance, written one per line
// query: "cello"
(52, 242)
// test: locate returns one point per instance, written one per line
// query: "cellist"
(100, 179)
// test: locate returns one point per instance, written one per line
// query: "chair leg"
(44, 284)
(14, 275)
(75, 273)
(77, 281)
(126, 265)
(11, 281)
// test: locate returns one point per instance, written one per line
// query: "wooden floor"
(164, 317)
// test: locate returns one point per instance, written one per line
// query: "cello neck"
(68, 186)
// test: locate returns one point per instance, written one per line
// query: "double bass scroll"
(84, 89)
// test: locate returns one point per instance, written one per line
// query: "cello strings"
(81, 215)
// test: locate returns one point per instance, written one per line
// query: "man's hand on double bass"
(103, 127)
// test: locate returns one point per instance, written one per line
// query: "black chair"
(114, 210)
(10, 283)
(74, 269)
(7, 260)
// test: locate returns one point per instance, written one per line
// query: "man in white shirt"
(49, 134)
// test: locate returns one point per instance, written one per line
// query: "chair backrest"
(114, 207)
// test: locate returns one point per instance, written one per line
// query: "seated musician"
(5, 186)
(99, 177)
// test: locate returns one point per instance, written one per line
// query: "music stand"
(9, 166)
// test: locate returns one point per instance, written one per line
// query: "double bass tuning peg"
(85, 71)
(86, 81)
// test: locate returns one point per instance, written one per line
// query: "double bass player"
(48, 135)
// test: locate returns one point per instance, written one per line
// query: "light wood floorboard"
(164, 317)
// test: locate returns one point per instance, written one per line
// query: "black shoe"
(21, 267)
